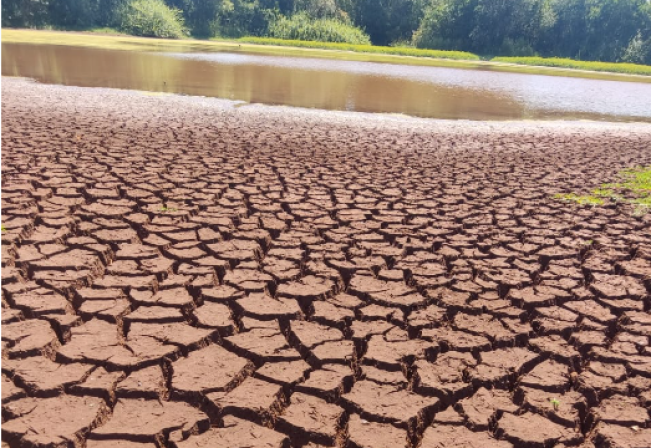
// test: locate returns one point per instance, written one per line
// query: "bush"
(638, 50)
(302, 27)
(516, 47)
(152, 18)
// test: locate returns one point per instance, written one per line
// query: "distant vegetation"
(302, 27)
(631, 69)
(152, 18)
(400, 51)
(582, 30)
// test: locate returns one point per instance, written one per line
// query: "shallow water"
(432, 92)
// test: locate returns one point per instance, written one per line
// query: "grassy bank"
(611, 67)
(399, 51)
(104, 38)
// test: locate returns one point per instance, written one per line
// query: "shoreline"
(134, 43)
(270, 276)
(322, 116)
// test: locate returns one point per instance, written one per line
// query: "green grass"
(634, 189)
(580, 199)
(638, 180)
(612, 67)
(398, 51)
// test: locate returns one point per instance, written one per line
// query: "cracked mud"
(179, 273)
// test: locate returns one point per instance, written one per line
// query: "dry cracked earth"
(180, 273)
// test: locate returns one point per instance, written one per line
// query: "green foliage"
(25, 13)
(72, 14)
(229, 18)
(201, 16)
(108, 13)
(386, 21)
(63, 14)
(152, 18)
(485, 26)
(400, 51)
(638, 50)
(593, 30)
(317, 9)
(247, 17)
(446, 25)
(301, 27)
(516, 47)
(607, 30)
(631, 69)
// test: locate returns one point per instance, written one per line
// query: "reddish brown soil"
(180, 273)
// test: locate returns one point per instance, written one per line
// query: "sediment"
(180, 272)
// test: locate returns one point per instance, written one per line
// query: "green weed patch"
(580, 199)
(634, 189)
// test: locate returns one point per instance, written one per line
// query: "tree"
(613, 18)
(25, 13)
(607, 30)
(638, 51)
(152, 18)
(387, 21)
(201, 16)
(247, 17)
(73, 14)
(317, 9)
(505, 26)
(446, 25)
(67, 14)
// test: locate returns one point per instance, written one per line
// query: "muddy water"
(432, 92)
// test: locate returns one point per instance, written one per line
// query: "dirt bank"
(182, 272)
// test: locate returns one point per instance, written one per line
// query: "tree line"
(600, 30)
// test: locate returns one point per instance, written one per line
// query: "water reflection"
(340, 85)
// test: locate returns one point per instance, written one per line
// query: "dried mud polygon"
(181, 274)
